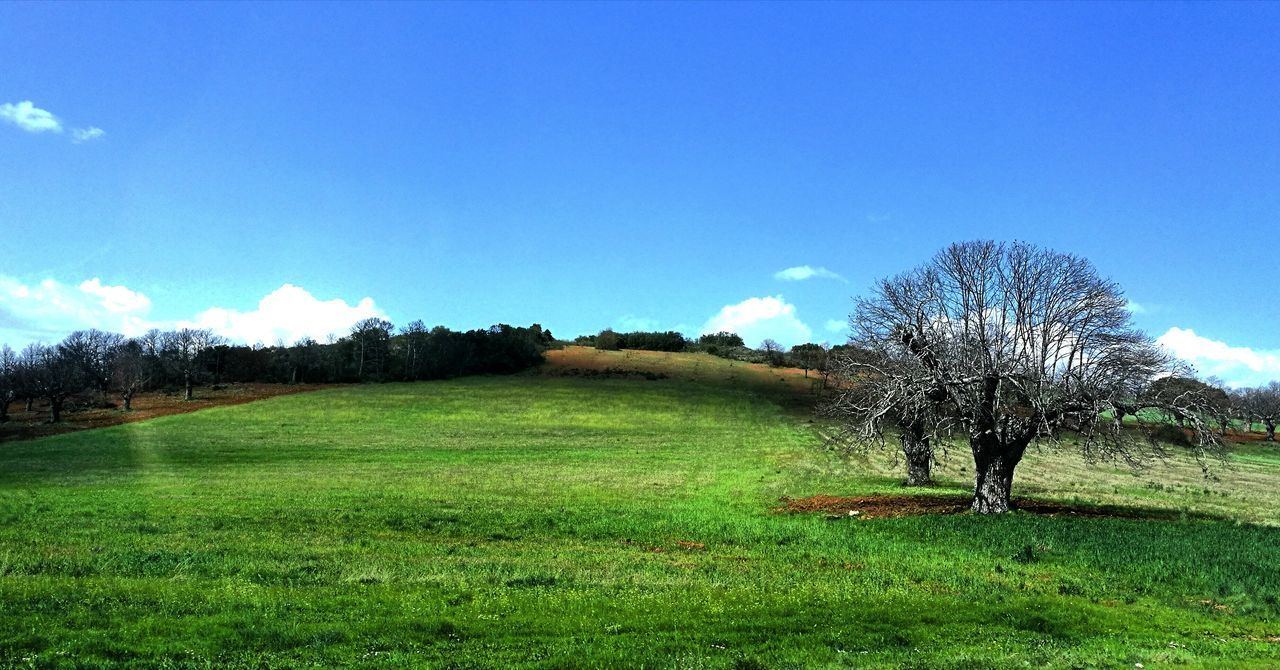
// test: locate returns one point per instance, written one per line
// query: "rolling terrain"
(616, 509)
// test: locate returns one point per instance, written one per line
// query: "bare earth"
(23, 425)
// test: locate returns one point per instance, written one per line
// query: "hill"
(572, 520)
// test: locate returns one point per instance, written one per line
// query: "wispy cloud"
(30, 118)
(26, 116)
(836, 325)
(757, 319)
(80, 135)
(1235, 365)
(629, 323)
(1135, 307)
(803, 272)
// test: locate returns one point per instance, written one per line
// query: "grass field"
(560, 521)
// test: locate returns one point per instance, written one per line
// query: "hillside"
(561, 521)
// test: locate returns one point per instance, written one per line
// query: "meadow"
(573, 519)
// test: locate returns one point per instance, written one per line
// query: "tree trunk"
(55, 409)
(1271, 429)
(919, 456)
(30, 401)
(993, 466)
(186, 378)
(127, 396)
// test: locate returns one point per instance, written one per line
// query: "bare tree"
(877, 390)
(1263, 404)
(772, 351)
(92, 352)
(182, 349)
(131, 371)
(55, 376)
(1012, 343)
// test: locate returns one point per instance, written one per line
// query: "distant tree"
(1263, 404)
(10, 380)
(55, 375)
(181, 350)
(92, 351)
(305, 360)
(723, 338)
(773, 352)
(1012, 343)
(371, 346)
(132, 369)
(414, 337)
(809, 357)
(607, 340)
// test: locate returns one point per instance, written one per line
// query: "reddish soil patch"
(24, 425)
(889, 506)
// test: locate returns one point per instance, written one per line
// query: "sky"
(278, 170)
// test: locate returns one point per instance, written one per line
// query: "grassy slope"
(538, 521)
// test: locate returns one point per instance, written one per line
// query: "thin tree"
(371, 338)
(10, 380)
(1014, 343)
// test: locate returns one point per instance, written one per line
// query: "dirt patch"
(24, 425)
(890, 506)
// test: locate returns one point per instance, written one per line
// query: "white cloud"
(287, 314)
(30, 118)
(836, 325)
(756, 319)
(1236, 366)
(116, 299)
(80, 135)
(49, 310)
(803, 272)
(1135, 308)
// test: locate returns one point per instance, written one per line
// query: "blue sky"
(270, 169)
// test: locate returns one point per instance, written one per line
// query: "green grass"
(538, 521)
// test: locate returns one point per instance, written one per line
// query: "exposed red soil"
(24, 425)
(889, 506)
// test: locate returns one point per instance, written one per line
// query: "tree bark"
(186, 378)
(127, 396)
(55, 409)
(30, 401)
(919, 455)
(993, 464)
(1271, 429)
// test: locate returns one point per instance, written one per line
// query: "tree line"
(96, 366)
(809, 356)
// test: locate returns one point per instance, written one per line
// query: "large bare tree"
(1012, 343)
